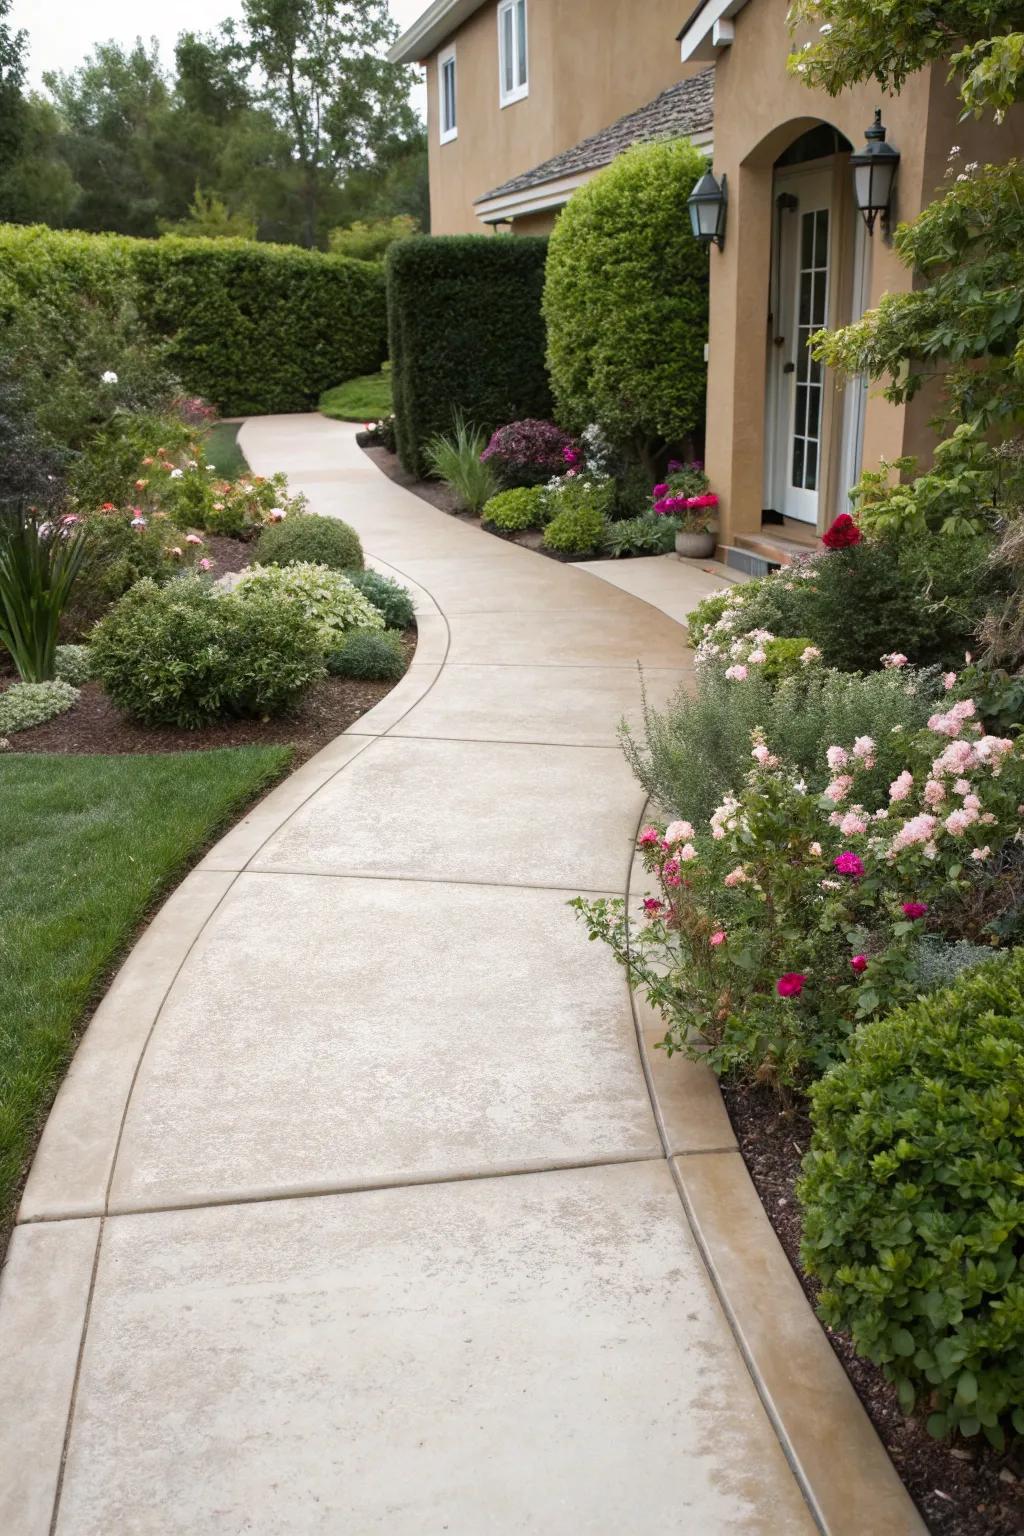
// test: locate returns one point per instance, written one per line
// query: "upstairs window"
(446, 95)
(513, 73)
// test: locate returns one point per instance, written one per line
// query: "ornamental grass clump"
(456, 458)
(40, 561)
(914, 1206)
(324, 596)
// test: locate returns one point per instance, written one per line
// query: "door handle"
(789, 368)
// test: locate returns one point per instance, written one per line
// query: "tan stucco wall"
(590, 61)
(759, 111)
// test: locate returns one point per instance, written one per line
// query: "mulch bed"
(966, 1489)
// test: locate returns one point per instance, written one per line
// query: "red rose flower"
(790, 985)
(842, 534)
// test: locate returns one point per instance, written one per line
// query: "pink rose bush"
(685, 496)
(824, 897)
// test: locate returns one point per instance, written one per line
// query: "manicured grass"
(89, 844)
(364, 399)
(222, 451)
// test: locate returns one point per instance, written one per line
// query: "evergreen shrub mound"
(371, 655)
(578, 530)
(312, 539)
(249, 326)
(24, 705)
(512, 511)
(914, 1203)
(184, 654)
(391, 600)
(626, 303)
(466, 335)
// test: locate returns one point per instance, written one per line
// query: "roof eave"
(697, 41)
(430, 29)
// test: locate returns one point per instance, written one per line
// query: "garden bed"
(966, 1489)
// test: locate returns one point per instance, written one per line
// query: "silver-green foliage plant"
(392, 601)
(26, 704)
(454, 457)
(690, 754)
(73, 664)
(323, 595)
(913, 1205)
(40, 561)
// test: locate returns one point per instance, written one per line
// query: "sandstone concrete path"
(354, 1214)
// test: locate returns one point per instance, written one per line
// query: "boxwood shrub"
(514, 510)
(578, 530)
(184, 654)
(466, 335)
(311, 538)
(914, 1200)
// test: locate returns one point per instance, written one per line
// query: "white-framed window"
(447, 108)
(513, 73)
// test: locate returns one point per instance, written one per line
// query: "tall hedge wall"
(466, 333)
(254, 328)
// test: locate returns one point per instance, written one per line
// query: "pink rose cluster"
(667, 505)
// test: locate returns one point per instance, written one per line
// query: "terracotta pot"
(695, 546)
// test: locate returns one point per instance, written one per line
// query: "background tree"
(318, 66)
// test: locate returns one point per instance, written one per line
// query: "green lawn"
(89, 844)
(364, 399)
(222, 451)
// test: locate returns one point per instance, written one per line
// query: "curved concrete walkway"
(355, 1213)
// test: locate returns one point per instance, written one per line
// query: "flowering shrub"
(815, 902)
(842, 533)
(684, 495)
(913, 1206)
(324, 596)
(26, 704)
(123, 545)
(184, 654)
(529, 452)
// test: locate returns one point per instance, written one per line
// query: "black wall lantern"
(874, 171)
(707, 204)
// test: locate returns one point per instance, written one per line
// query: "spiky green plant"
(40, 561)
(454, 457)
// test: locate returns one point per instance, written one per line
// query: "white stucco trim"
(703, 39)
(545, 195)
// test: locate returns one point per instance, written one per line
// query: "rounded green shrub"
(26, 704)
(325, 596)
(391, 600)
(914, 1200)
(512, 511)
(626, 302)
(185, 654)
(369, 654)
(313, 540)
(578, 530)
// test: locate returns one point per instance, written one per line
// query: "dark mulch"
(228, 554)
(966, 1489)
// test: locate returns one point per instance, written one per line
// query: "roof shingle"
(686, 107)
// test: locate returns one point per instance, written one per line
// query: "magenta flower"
(648, 837)
(914, 909)
(670, 872)
(653, 907)
(848, 864)
(791, 984)
(859, 964)
(660, 489)
(718, 937)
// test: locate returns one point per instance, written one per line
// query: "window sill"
(519, 94)
(447, 138)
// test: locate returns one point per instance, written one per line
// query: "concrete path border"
(48, 1399)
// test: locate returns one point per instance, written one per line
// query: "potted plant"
(684, 496)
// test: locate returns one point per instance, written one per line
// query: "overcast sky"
(62, 32)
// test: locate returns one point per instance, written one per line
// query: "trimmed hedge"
(466, 335)
(254, 328)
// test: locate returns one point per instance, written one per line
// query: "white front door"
(800, 306)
